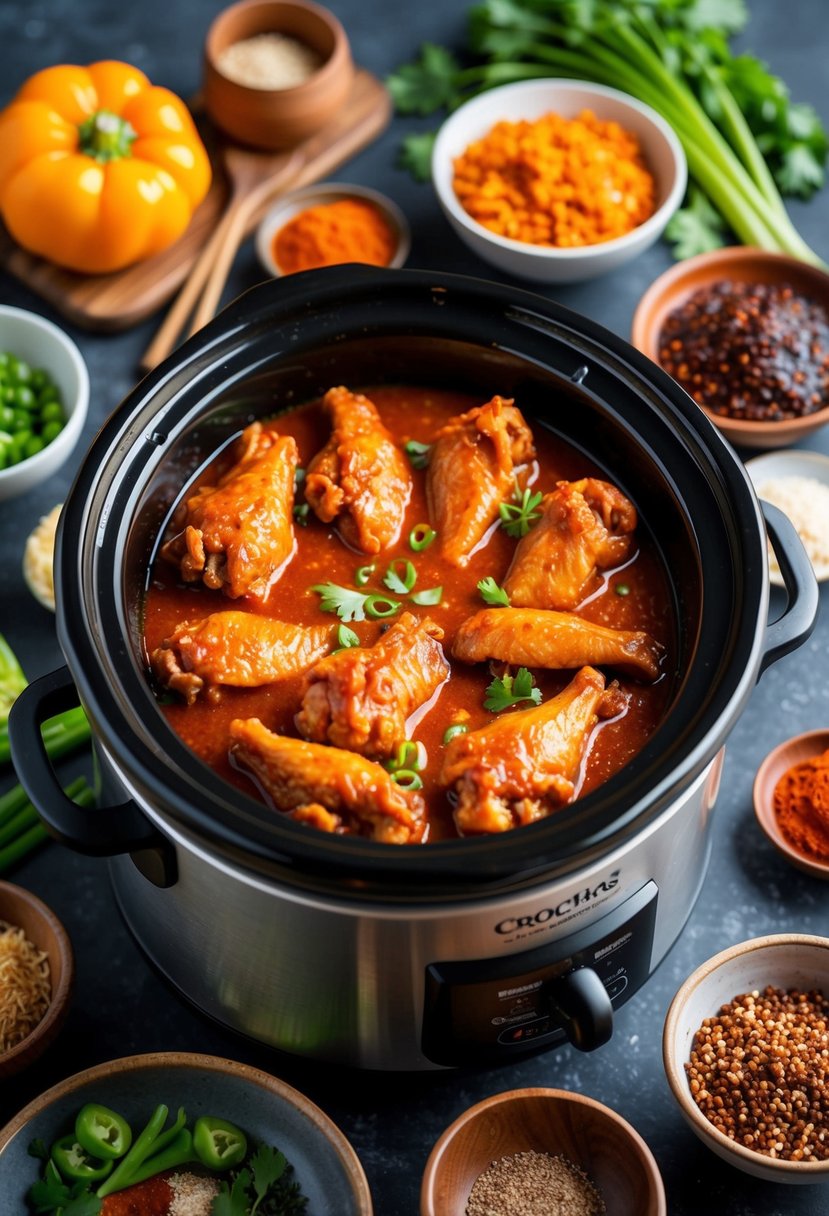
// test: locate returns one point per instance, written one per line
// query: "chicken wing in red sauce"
(585, 526)
(328, 787)
(238, 534)
(471, 472)
(535, 637)
(361, 478)
(360, 697)
(526, 763)
(241, 649)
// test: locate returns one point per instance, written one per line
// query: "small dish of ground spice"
(36, 976)
(791, 801)
(329, 225)
(541, 1152)
(746, 1053)
(746, 333)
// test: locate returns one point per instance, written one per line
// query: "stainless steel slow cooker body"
(414, 956)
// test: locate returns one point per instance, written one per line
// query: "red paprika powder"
(801, 806)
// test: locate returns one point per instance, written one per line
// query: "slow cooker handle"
(101, 832)
(797, 622)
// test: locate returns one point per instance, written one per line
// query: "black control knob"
(579, 1002)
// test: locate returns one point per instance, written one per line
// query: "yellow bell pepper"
(98, 167)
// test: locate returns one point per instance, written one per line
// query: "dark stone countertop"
(120, 1006)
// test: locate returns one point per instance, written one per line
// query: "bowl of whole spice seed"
(36, 977)
(541, 1152)
(746, 333)
(746, 1053)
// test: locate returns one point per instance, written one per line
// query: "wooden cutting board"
(117, 301)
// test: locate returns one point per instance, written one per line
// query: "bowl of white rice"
(797, 481)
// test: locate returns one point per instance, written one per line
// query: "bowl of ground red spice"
(791, 801)
(746, 1053)
(36, 977)
(329, 225)
(541, 1152)
(746, 333)
(557, 180)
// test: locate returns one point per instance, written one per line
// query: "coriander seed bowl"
(42, 416)
(728, 1083)
(531, 100)
(739, 265)
(615, 1162)
(265, 98)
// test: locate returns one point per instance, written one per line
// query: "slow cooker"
(460, 952)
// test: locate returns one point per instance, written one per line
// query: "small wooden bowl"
(276, 119)
(589, 1135)
(793, 751)
(743, 265)
(25, 911)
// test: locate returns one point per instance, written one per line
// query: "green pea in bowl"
(44, 396)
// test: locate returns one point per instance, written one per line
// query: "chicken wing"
(536, 637)
(327, 787)
(238, 534)
(238, 648)
(360, 698)
(360, 478)
(585, 526)
(526, 763)
(470, 474)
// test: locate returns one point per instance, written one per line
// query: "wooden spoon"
(253, 177)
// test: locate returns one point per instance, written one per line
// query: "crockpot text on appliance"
(568, 905)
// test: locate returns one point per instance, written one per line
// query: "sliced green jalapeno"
(102, 1131)
(75, 1164)
(218, 1144)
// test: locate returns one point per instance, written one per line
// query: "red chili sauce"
(321, 556)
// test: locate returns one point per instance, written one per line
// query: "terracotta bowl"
(20, 908)
(277, 118)
(589, 1135)
(743, 265)
(786, 960)
(793, 751)
(266, 1108)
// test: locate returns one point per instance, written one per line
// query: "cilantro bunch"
(745, 141)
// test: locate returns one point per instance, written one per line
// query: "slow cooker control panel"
(486, 1010)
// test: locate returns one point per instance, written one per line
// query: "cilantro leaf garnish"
(352, 605)
(428, 84)
(492, 594)
(415, 155)
(518, 516)
(696, 227)
(505, 691)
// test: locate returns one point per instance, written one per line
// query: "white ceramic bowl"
(44, 345)
(530, 100)
(786, 960)
(313, 196)
(796, 462)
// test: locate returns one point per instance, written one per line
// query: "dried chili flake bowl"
(523, 1140)
(757, 1012)
(746, 333)
(795, 816)
(529, 101)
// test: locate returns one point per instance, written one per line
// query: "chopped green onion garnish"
(346, 638)
(363, 574)
(301, 512)
(457, 728)
(430, 595)
(379, 606)
(622, 589)
(400, 583)
(407, 779)
(418, 453)
(421, 537)
(408, 755)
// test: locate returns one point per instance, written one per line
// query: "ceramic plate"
(793, 463)
(325, 1164)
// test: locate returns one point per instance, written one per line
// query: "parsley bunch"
(744, 139)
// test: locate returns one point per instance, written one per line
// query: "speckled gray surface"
(120, 1006)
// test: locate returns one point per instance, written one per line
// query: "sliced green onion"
(457, 728)
(622, 589)
(301, 512)
(418, 453)
(397, 582)
(363, 574)
(430, 595)
(407, 779)
(377, 607)
(421, 537)
(408, 755)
